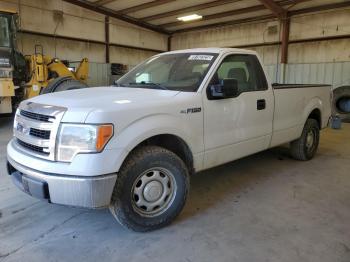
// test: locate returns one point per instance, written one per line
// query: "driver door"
(239, 126)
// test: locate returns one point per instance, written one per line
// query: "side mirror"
(227, 89)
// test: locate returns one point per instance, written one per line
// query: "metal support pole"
(169, 43)
(107, 38)
(284, 45)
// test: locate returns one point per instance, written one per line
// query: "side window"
(246, 69)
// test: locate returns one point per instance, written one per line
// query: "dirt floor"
(266, 207)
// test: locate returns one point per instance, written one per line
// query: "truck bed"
(293, 104)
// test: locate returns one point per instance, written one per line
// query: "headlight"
(79, 138)
(5, 73)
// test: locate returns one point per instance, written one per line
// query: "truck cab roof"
(216, 50)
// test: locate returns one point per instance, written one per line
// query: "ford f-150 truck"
(132, 147)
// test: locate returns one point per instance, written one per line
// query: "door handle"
(261, 104)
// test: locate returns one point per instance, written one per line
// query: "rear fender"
(314, 103)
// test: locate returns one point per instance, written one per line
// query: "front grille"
(37, 149)
(44, 134)
(35, 116)
(35, 128)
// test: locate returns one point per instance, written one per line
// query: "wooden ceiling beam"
(144, 6)
(232, 22)
(103, 2)
(275, 8)
(269, 17)
(320, 8)
(115, 14)
(193, 8)
(218, 15)
(196, 8)
(229, 13)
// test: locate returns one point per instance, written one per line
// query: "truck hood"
(83, 101)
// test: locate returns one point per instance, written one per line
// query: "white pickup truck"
(132, 147)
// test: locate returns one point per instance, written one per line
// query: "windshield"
(4, 32)
(178, 72)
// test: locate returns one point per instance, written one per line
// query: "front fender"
(142, 129)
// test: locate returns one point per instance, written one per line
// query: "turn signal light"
(104, 133)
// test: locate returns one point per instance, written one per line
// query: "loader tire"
(63, 84)
(341, 103)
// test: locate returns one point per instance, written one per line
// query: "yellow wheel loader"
(23, 77)
(49, 75)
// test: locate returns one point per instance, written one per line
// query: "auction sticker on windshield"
(201, 57)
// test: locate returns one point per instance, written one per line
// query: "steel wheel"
(310, 140)
(153, 192)
(304, 148)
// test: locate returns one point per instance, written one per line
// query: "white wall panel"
(336, 74)
(330, 23)
(269, 54)
(61, 48)
(320, 51)
(99, 74)
(125, 34)
(326, 24)
(38, 16)
(245, 34)
(127, 56)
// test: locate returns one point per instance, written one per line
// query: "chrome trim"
(26, 151)
(32, 139)
(26, 123)
(34, 123)
(88, 192)
(42, 109)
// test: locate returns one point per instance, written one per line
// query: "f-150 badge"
(191, 110)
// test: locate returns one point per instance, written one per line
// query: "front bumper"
(78, 191)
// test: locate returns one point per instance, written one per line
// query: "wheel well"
(174, 144)
(316, 114)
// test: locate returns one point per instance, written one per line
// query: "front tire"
(151, 189)
(305, 147)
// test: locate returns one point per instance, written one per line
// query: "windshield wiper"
(118, 85)
(159, 86)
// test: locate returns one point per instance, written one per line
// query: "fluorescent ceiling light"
(190, 17)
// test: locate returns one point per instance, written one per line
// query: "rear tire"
(306, 146)
(151, 189)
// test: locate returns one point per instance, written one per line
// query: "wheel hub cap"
(153, 191)
(310, 139)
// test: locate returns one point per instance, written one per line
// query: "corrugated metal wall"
(336, 74)
(99, 74)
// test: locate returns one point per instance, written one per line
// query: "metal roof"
(161, 15)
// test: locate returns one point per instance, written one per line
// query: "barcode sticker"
(201, 57)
